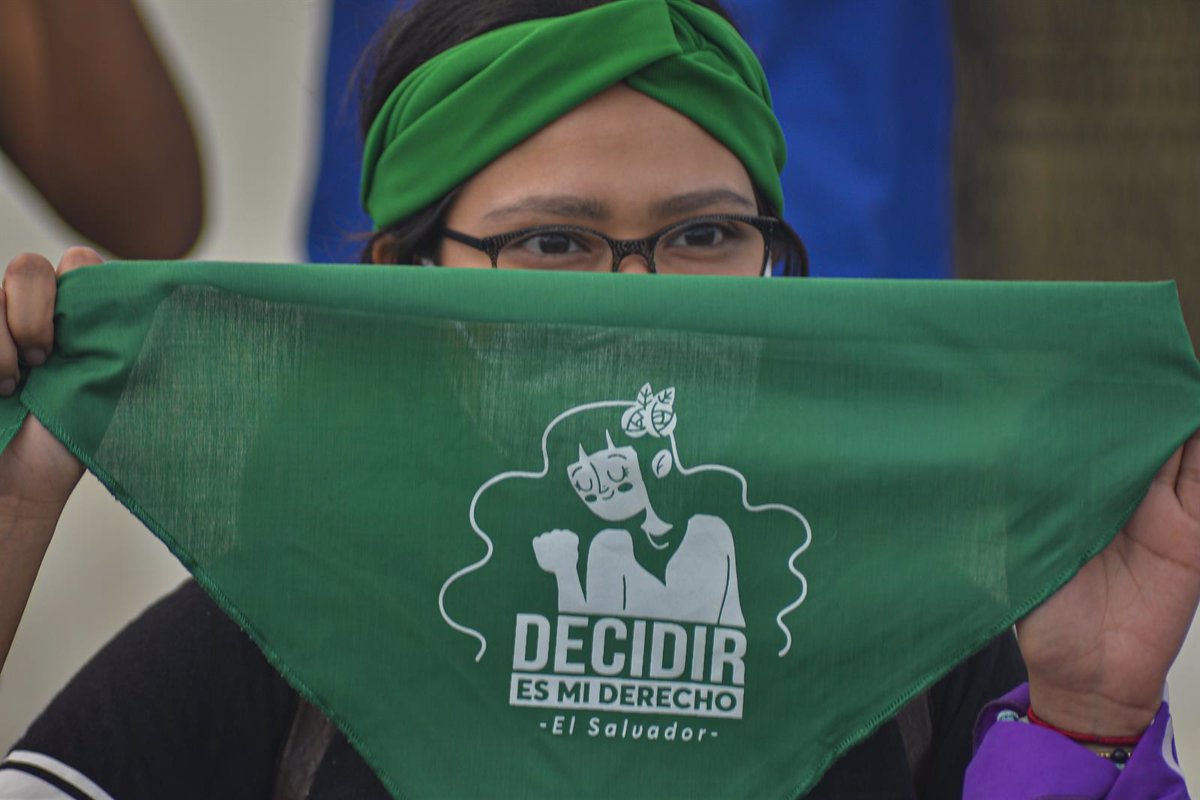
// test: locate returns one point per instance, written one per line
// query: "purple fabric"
(1018, 761)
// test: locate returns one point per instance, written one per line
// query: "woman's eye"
(550, 244)
(705, 234)
(555, 248)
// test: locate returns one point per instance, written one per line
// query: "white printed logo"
(625, 639)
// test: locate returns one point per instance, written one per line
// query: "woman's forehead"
(619, 153)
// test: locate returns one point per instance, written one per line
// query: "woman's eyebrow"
(558, 205)
(576, 207)
(692, 202)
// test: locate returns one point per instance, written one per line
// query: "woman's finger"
(1168, 473)
(29, 287)
(1187, 484)
(8, 355)
(77, 257)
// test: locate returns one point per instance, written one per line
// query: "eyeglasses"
(719, 244)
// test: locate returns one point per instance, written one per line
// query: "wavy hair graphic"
(651, 414)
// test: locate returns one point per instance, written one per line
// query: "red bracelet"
(1084, 738)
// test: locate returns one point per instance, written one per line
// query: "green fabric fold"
(546, 535)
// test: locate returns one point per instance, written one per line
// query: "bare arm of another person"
(90, 115)
(37, 474)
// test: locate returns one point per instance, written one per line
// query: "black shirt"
(182, 705)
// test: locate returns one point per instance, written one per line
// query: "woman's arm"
(37, 474)
(89, 113)
(1016, 760)
(28, 516)
(1098, 651)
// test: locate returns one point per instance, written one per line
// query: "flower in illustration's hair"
(652, 413)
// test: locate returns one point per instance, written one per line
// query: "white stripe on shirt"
(18, 785)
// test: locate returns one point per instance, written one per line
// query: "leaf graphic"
(662, 420)
(633, 422)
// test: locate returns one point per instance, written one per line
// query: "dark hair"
(416, 32)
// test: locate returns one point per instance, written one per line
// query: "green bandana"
(557, 535)
(464, 108)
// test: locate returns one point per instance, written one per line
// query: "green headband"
(462, 109)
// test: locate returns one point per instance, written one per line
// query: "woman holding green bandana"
(633, 136)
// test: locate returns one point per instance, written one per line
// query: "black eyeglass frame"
(621, 249)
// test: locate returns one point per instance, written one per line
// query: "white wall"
(251, 70)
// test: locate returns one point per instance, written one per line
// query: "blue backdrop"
(864, 91)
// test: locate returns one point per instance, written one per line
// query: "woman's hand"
(1098, 651)
(37, 474)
